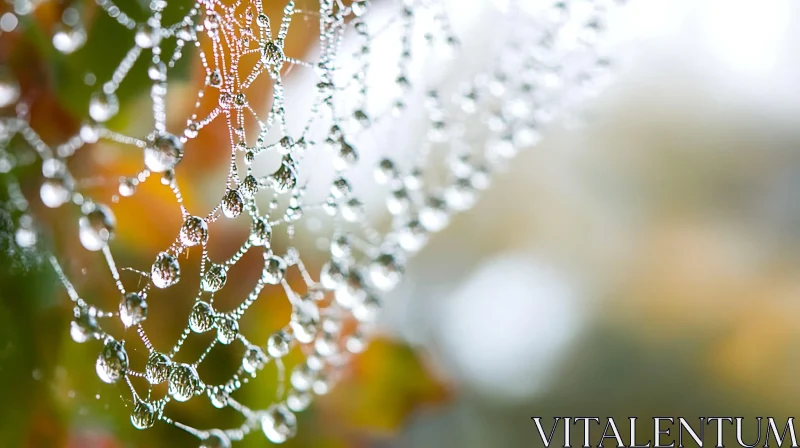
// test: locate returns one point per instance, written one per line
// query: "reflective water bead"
(260, 232)
(274, 270)
(461, 195)
(351, 291)
(304, 321)
(285, 177)
(367, 310)
(9, 88)
(340, 188)
(346, 158)
(227, 329)
(232, 204)
(165, 271)
(278, 423)
(298, 401)
(215, 277)
(103, 106)
(143, 415)
(352, 210)
(331, 275)
(147, 35)
(262, 20)
(84, 326)
(158, 367)
(56, 191)
(96, 227)
(132, 309)
(112, 363)
(162, 152)
(359, 7)
(216, 438)
(254, 359)
(278, 344)
(356, 343)
(303, 377)
(194, 231)
(68, 40)
(218, 397)
(127, 186)
(412, 236)
(385, 271)
(184, 383)
(398, 201)
(201, 318)
(340, 246)
(249, 186)
(215, 79)
(434, 215)
(271, 53)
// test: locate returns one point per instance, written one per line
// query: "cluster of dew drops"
(510, 101)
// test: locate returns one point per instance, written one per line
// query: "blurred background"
(644, 264)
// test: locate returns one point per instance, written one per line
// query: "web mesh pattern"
(545, 61)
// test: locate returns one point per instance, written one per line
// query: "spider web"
(543, 64)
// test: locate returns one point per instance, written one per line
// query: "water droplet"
(298, 401)
(398, 201)
(272, 54)
(278, 344)
(143, 415)
(215, 78)
(274, 270)
(218, 397)
(184, 383)
(132, 309)
(356, 342)
(56, 191)
(103, 106)
(346, 158)
(84, 326)
(279, 423)
(112, 363)
(359, 7)
(147, 35)
(215, 277)
(165, 271)
(194, 231)
(254, 359)
(227, 329)
(340, 247)
(413, 236)
(96, 227)
(303, 377)
(434, 215)
(232, 204)
(9, 88)
(261, 232)
(285, 178)
(385, 271)
(249, 186)
(201, 319)
(69, 40)
(162, 152)
(216, 439)
(304, 321)
(351, 291)
(158, 367)
(127, 186)
(460, 195)
(340, 188)
(331, 275)
(367, 310)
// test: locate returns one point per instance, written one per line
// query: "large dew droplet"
(215, 277)
(184, 382)
(274, 270)
(227, 329)
(158, 367)
(143, 415)
(278, 344)
(260, 232)
(55, 192)
(9, 88)
(278, 423)
(165, 271)
(201, 319)
(216, 439)
(84, 326)
(162, 152)
(194, 231)
(96, 227)
(103, 106)
(304, 322)
(385, 271)
(112, 363)
(232, 204)
(254, 359)
(132, 309)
